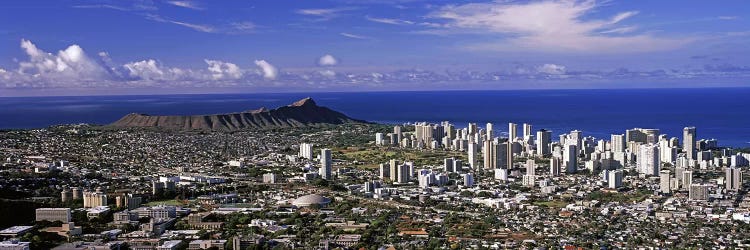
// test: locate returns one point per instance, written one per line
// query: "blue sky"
(123, 47)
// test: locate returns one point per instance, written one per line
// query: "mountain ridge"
(302, 113)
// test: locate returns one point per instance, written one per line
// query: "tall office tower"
(698, 192)
(618, 143)
(664, 181)
(489, 130)
(576, 136)
(385, 172)
(570, 158)
(733, 178)
(450, 131)
(688, 142)
(306, 151)
(554, 166)
(687, 179)
(393, 164)
(397, 133)
(458, 165)
(543, 141)
(94, 199)
(471, 150)
(666, 153)
(490, 154)
(526, 130)
(615, 179)
(506, 149)
(512, 131)
(325, 164)
(438, 132)
(379, 139)
(648, 159)
(674, 142)
(563, 139)
(472, 128)
(448, 165)
(468, 180)
(530, 165)
(404, 173)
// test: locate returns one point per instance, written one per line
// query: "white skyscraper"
(397, 133)
(526, 130)
(468, 180)
(306, 151)
(648, 159)
(543, 141)
(379, 139)
(688, 142)
(325, 164)
(512, 131)
(664, 182)
(472, 152)
(490, 154)
(687, 179)
(618, 143)
(570, 158)
(489, 131)
(530, 165)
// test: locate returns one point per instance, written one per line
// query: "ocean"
(720, 113)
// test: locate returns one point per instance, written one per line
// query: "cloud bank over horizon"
(338, 46)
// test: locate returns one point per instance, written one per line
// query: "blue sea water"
(721, 113)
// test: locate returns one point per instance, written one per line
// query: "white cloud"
(551, 25)
(349, 35)
(185, 4)
(71, 62)
(196, 27)
(551, 69)
(328, 73)
(324, 14)
(223, 70)
(327, 60)
(388, 20)
(269, 71)
(728, 17)
(146, 70)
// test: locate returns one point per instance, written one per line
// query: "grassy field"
(166, 203)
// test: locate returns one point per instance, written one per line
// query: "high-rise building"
(512, 131)
(648, 159)
(393, 164)
(554, 166)
(468, 180)
(618, 143)
(385, 172)
(526, 130)
(489, 131)
(664, 182)
(543, 141)
(379, 139)
(570, 158)
(698, 192)
(269, 178)
(448, 165)
(473, 128)
(397, 133)
(325, 164)
(306, 151)
(530, 165)
(688, 142)
(53, 214)
(687, 179)
(66, 195)
(471, 150)
(733, 178)
(508, 162)
(490, 154)
(404, 173)
(615, 179)
(94, 199)
(576, 136)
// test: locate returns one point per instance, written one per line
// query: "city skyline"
(165, 47)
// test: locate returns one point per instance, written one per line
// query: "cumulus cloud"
(327, 60)
(551, 69)
(327, 73)
(146, 69)
(223, 70)
(551, 25)
(269, 71)
(71, 62)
